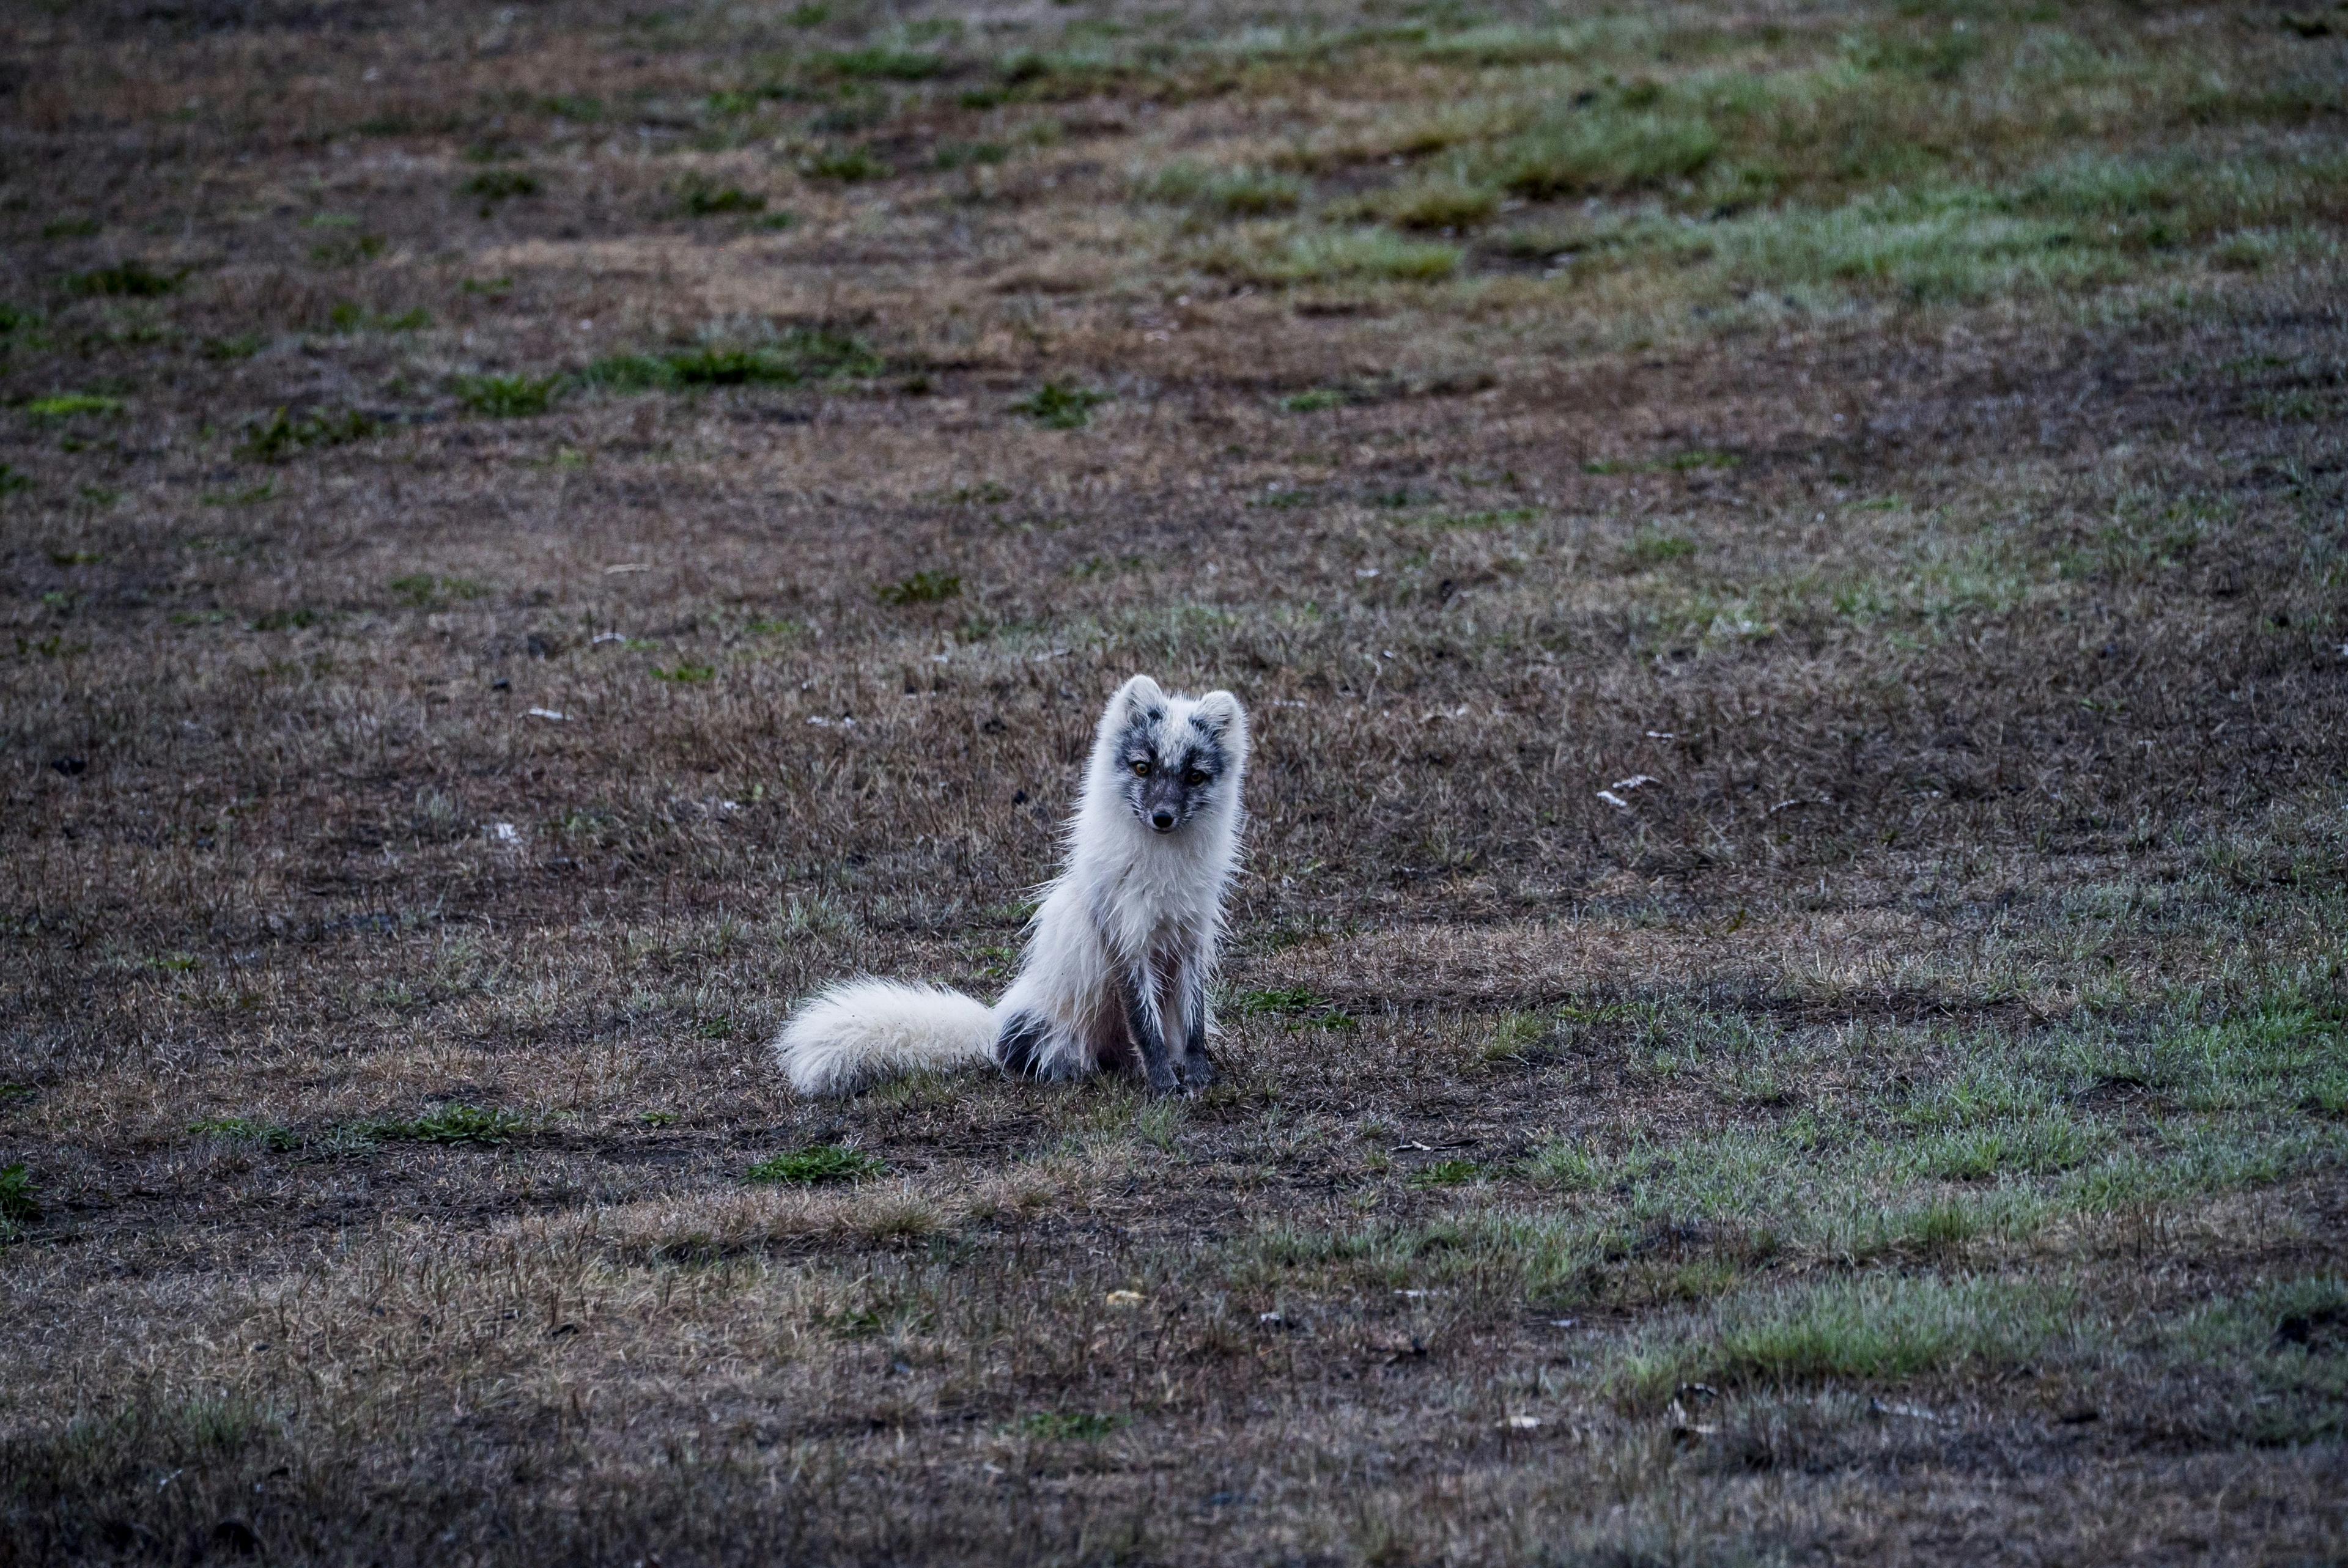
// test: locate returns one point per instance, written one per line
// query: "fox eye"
(1194, 777)
(1141, 767)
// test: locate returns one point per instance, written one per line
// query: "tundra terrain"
(1788, 998)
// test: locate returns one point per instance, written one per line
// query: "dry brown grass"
(1908, 1126)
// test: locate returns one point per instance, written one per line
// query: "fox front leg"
(1195, 1068)
(1142, 1016)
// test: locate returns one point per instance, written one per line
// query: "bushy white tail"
(857, 1033)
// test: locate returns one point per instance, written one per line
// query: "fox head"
(1171, 760)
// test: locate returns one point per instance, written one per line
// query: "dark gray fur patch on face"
(1139, 740)
(1165, 794)
(1207, 750)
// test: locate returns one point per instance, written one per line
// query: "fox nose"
(1162, 819)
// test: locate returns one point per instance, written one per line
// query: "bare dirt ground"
(1790, 567)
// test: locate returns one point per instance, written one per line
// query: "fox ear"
(1219, 714)
(1140, 695)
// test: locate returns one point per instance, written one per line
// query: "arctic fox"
(1120, 951)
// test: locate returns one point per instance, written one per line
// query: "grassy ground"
(1791, 568)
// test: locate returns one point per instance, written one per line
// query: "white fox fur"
(1120, 952)
(859, 1031)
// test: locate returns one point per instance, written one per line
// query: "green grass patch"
(1438, 204)
(1885, 217)
(493, 186)
(847, 165)
(18, 1204)
(508, 396)
(1564, 1166)
(799, 355)
(1584, 154)
(1319, 256)
(1875, 1328)
(819, 1165)
(1058, 407)
(1316, 401)
(423, 590)
(731, 103)
(1232, 192)
(1297, 1007)
(2224, 1055)
(925, 586)
(1653, 548)
(2049, 1141)
(1069, 1426)
(125, 280)
(952, 155)
(685, 674)
(348, 250)
(1697, 462)
(698, 196)
(283, 434)
(71, 405)
(450, 1124)
(1520, 1037)
(783, 627)
(2282, 1347)
(2192, 1158)
(1927, 244)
